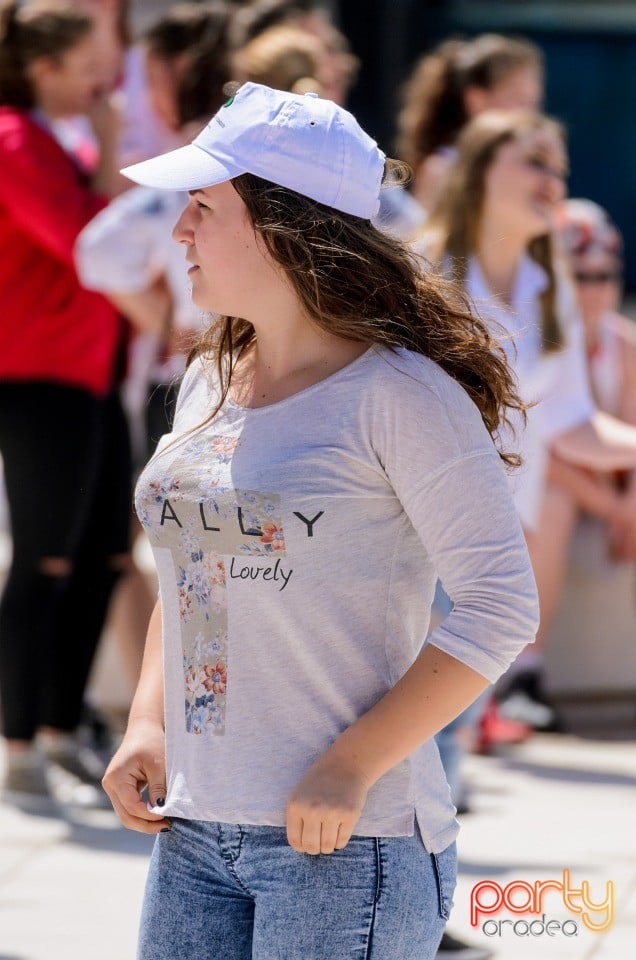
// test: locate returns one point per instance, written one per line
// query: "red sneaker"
(494, 729)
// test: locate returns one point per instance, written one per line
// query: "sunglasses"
(600, 277)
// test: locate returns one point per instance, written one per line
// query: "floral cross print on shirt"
(204, 526)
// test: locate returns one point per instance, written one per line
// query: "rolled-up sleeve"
(467, 522)
(452, 485)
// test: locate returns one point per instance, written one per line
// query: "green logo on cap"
(228, 103)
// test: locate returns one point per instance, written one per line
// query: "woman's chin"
(542, 222)
(198, 298)
(540, 228)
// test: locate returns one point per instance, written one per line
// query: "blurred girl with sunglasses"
(492, 231)
(593, 247)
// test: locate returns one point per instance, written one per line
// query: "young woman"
(594, 252)
(127, 253)
(449, 87)
(593, 247)
(332, 449)
(63, 437)
(492, 231)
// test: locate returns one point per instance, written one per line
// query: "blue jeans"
(240, 892)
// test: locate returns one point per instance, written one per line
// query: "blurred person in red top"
(63, 438)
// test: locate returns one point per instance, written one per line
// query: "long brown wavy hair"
(361, 284)
(434, 110)
(452, 228)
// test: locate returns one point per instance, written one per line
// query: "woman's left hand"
(325, 806)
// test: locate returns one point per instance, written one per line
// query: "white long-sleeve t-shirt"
(298, 546)
(557, 383)
(127, 246)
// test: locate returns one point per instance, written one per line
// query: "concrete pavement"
(71, 887)
(557, 802)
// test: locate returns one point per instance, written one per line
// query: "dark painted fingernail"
(165, 830)
(159, 802)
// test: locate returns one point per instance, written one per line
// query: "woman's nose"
(182, 231)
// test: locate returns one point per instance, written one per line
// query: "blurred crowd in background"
(96, 323)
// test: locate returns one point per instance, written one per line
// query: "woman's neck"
(49, 108)
(285, 358)
(592, 330)
(499, 257)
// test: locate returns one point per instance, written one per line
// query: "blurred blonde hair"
(452, 229)
(283, 57)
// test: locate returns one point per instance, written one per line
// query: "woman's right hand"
(105, 115)
(139, 763)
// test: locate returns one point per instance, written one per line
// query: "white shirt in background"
(556, 383)
(127, 246)
(123, 250)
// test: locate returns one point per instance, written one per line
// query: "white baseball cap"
(302, 142)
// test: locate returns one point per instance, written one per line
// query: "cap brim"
(188, 168)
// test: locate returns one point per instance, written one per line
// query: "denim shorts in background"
(240, 892)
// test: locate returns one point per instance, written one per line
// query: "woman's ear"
(40, 70)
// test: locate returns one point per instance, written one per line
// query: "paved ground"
(70, 888)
